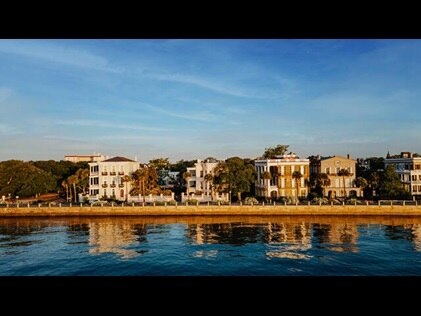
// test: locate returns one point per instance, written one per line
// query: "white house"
(197, 183)
(105, 177)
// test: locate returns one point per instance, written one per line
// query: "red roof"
(117, 159)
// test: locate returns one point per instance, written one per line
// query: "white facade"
(197, 180)
(88, 158)
(409, 169)
(105, 177)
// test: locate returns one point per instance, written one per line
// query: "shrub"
(192, 201)
(317, 200)
(250, 199)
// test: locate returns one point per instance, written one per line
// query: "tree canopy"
(278, 150)
(234, 175)
(23, 179)
(391, 186)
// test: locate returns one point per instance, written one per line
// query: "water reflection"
(282, 237)
(109, 237)
(341, 237)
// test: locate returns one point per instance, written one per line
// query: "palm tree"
(267, 176)
(187, 176)
(344, 173)
(324, 181)
(83, 179)
(297, 176)
(65, 185)
(73, 180)
(124, 180)
(208, 179)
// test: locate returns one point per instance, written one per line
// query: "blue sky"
(189, 99)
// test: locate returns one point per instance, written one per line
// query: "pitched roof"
(118, 159)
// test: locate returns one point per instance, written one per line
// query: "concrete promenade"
(223, 210)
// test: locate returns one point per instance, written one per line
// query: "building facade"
(88, 158)
(281, 182)
(197, 183)
(106, 178)
(408, 168)
(331, 167)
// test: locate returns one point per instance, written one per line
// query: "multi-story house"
(408, 168)
(88, 158)
(106, 178)
(331, 166)
(197, 182)
(282, 183)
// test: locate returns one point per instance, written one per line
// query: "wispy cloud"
(204, 116)
(57, 54)
(200, 82)
(94, 123)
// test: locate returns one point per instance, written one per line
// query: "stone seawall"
(314, 210)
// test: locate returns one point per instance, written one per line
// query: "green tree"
(160, 163)
(24, 179)
(235, 175)
(83, 179)
(391, 186)
(186, 176)
(73, 181)
(297, 176)
(361, 182)
(278, 150)
(65, 185)
(208, 179)
(344, 173)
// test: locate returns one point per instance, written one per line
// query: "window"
(419, 177)
(414, 178)
(96, 180)
(105, 192)
(414, 188)
(113, 192)
(337, 170)
(105, 168)
(419, 188)
(417, 167)
(201, 174)
(328, 170)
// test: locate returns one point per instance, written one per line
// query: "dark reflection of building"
(410, 232)
(12, 233)
(283, 239)
(112, 237)
(341, 237)
(227, 233)
(288, 240)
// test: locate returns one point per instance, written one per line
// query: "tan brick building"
(331, 167)
(282, 183)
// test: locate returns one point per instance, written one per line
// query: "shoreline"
(223, 210)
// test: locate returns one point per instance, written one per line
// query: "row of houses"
(276, 177)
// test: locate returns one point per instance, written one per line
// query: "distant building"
(408, 168)
(167, 179)
(88, 158)
(282, 183)
(105, 177)
(331, 167)
(197, 182)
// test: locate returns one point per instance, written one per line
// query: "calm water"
(211, 246)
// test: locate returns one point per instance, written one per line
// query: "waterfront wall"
(224, 210)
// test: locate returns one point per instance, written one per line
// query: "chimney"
(348, 156)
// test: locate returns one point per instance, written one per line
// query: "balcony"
(112, 185)
(105, 185)
(121, 185)
(104, 173)
(112, 173)
(121, 173)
